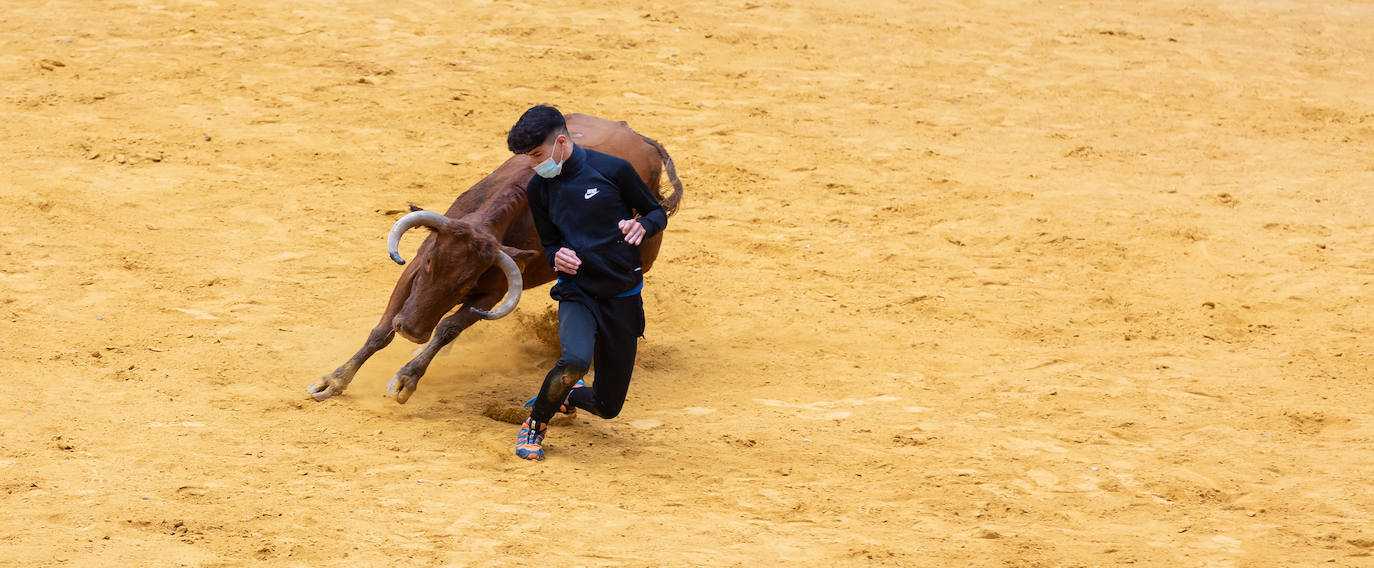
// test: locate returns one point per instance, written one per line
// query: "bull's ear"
(521, 257)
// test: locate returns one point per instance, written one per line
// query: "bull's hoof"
(401, 387)
(324, 388)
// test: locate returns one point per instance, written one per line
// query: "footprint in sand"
(646, 424)
(1043, 478)
(826, 409)
(650, 423)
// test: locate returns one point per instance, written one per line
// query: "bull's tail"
(671, 202)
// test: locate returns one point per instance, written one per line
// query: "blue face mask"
(548, 168)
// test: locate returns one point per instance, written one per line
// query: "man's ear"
(521, 257)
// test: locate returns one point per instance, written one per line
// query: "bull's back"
(619, 140)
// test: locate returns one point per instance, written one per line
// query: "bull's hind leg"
(407, 379)
(335, 383)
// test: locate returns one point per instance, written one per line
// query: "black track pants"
(610, 341)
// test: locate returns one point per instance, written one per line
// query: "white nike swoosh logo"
(590, 193)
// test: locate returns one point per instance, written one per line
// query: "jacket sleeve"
(635, 193)
(549, 236)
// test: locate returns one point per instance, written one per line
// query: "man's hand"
(566, 261)
(634, 232)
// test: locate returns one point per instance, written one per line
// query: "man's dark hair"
(534, 127)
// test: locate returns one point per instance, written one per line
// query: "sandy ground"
(995, 284)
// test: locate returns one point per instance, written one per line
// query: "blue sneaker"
(564, 408)
(529, 443)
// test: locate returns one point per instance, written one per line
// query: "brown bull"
(485, 247)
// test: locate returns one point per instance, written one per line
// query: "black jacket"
(581, 209)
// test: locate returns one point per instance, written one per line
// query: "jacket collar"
(573, 163)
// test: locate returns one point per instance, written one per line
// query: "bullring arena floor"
(987, 284)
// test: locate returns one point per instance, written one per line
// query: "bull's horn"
(512, 294)
(411, 220)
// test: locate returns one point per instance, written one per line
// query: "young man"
(584, 205)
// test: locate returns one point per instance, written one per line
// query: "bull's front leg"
(335, 383)
(403, 384)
